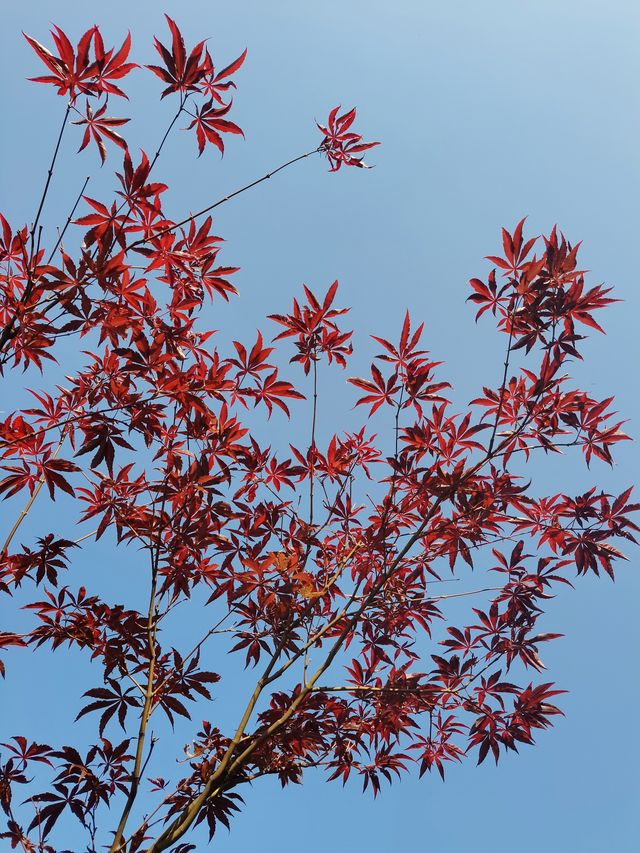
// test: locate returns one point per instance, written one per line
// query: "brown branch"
(146, 710)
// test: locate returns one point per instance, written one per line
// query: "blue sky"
(487, 112)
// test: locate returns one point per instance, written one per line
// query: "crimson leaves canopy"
(335, 599)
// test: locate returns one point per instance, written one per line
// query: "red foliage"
(148, 444)
(341, 145)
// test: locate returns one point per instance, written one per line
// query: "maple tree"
(333, 599)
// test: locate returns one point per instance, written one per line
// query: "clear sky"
(487, 111)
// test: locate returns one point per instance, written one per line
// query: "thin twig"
(30, 502)
(143, 240)
(69, 218)
(49, 175)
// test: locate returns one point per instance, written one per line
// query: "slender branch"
(49, 175)
(504, 379)
(430, 598)
(29, 504)
(86, 536)
(143, 240)
(352, 688)
(128, 202)
(69, 218)
(313, 446)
